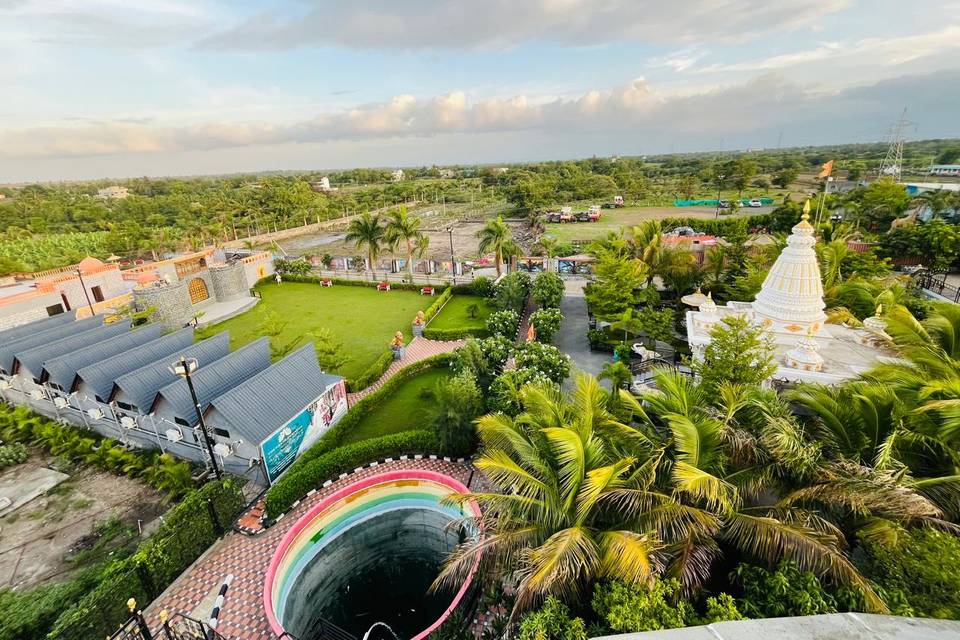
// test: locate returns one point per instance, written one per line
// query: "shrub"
(372, 374)
(12, 454)
(296, 482)
(31, 613)
(504, 391)
(503, 323)
(622, 352)
(923, 568)
(547, 323)
(511, 291)
(642, 607)
(548, 289)
(552, 622)
(448, 335)
(458, 403)
(441, 300)
(544, 358)
(297, 267)
(787, 591)
(482, 286)
(483, 359)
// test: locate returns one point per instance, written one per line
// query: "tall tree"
(401, 227)
(367, 231)
(496, 236)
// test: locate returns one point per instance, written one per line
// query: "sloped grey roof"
(141, 385)
(267, 401)
(61, 371)
(14, 333)
(100, 375)
(8, 350)
(214, 379)
(32, 359)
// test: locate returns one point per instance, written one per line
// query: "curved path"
(418, 349)
(248, 557)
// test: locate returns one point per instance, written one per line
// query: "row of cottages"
(119, 381)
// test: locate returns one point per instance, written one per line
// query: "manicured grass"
(362, 317)
(404, 410)
(454, 314)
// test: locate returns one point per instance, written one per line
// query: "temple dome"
(90, 265)
(792, 292)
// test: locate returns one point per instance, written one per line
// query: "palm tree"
(646, 243)
(400, 227)
(548, 244)
(496, 236)
(557, 519)
(628, 323)
(366, 231)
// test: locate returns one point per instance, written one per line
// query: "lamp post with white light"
(183, 368)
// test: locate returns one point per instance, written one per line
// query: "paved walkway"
(418, 349)
(572, 337)
(247, 557)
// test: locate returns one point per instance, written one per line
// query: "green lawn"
(362, 317)
(454, 314)
(404, 410)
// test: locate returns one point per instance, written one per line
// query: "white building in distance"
(113, 193)
(397, 175)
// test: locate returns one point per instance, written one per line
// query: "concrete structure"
(833, 626)
(323, 185)
(397, 175)
(76, 287)
(208, 286)
(113, 193)
(790, 309)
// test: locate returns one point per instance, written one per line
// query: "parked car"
(754, 202)
(724, 204)
(553, 216)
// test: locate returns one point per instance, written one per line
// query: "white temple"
(790, 307)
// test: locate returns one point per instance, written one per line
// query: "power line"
(892, 163)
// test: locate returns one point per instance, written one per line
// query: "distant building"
(944, 170)
(113, 193)
(397, 175)
(322, 185)
(448, 174)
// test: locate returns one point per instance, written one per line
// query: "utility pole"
(183, 368)
(720, 179)
(453, 260)
(892, 164)
(85, 294)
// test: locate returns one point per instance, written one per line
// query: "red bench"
(383, 286)
(426, 291)
(326, 283)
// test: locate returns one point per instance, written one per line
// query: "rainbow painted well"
(350, 511)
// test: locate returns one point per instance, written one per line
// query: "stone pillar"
(229, 281)
(172, 302)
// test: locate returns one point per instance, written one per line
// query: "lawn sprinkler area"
(363, 318)
(366, 556)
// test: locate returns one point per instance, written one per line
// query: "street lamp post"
(183, 368)
(85, 294)
(453, 260)
(720, 180)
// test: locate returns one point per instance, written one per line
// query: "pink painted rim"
(340, 494)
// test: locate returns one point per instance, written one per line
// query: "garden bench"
(383, 286)
(426, 291)
(326, 283)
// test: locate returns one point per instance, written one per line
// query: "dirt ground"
(57, 533)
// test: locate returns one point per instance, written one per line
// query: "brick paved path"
(248, 557)
(418, 349)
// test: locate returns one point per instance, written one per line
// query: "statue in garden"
(420, 319)
(397, 340)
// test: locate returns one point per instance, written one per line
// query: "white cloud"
(457, 24)
(634, 109)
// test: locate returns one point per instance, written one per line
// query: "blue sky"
(98, 88)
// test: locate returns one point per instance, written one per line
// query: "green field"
(362, 317)
(454, 314)
(616, 219)
(404, 410)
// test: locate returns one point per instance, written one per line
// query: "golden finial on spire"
(806, 210)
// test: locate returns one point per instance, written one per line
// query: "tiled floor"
(247, 558)
(418, 349)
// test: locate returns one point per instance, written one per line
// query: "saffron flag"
(531, 334)
(826, 169)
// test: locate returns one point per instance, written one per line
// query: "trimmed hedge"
(187, 531)
(401, 286)
(332, 438)
(373, 372)
(455, 334)
(719, 227)
(293, 486)
(434, 308)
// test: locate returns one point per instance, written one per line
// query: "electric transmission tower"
(892, 164)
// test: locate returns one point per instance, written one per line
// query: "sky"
(122, 88)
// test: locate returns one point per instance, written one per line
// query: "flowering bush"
(544, 358)
(503, 323)
(547, 323)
